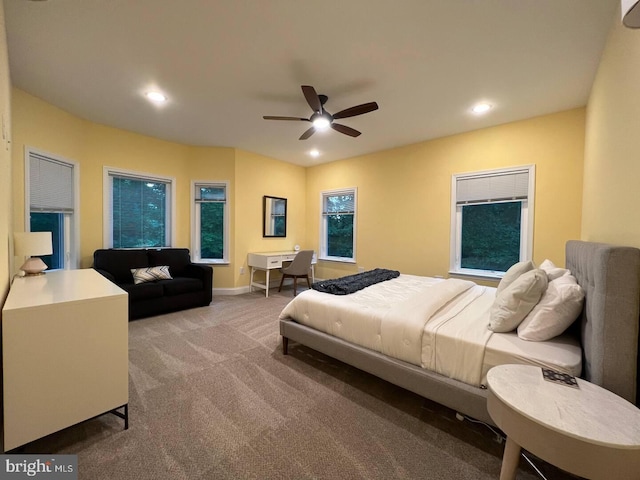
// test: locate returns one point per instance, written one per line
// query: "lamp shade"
(631, 13)
(28, 244)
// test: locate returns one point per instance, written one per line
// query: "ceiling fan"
(321, 119)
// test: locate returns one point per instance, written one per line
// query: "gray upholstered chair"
(299, 267)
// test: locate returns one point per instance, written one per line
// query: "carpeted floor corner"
(212, 397)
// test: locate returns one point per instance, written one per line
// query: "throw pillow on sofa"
(150, 274)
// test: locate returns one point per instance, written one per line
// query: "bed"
(601, 346)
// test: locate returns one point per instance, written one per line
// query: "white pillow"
(557, 310)
(150, 274)
(552, 271)
(516, 301)
(513, 273)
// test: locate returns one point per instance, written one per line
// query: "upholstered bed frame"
(610, 276)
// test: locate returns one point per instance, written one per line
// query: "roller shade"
(493, 187)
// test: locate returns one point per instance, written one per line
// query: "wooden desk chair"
(299, 267)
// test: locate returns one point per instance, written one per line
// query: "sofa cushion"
(120, 262)
(143, 291)
(180, 285)
(176, 258)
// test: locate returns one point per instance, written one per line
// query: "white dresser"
(65, 353)
(268, 261)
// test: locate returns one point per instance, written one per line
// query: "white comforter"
(437, 324)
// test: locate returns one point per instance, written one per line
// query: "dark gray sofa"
(191, 285)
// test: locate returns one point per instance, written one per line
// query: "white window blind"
(492, 187)
(205, 192)
(338, 203)
(50, 184)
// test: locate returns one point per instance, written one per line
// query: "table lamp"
(30, 244)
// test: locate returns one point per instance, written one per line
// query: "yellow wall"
(611, 200)
(211, 164)
(404, 204)
(92, 146)
(403, 193)
(258, 176)
(41, 125)
(106, 146)
(6, 222)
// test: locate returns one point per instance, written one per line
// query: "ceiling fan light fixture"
(321, 122)
(321, 119)
(314, 153)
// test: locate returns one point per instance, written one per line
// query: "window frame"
(323, 224)
(71, 220)
(195, 223)
(107, 191)
(526, 220)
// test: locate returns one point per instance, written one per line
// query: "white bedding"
(438, 324)
(454, 340)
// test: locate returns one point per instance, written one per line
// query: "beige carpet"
(212, 397)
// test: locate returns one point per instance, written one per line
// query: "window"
(491, 220)
(51, 194)
(210, 225)
(139, 210)
(337, 232)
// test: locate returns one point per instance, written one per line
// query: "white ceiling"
(226, 63)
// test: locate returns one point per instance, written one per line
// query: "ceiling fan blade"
(346, 130)
(271, 117)
(312, 98)
(307, 134)
(357, 110)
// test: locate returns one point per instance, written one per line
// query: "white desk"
(65, 353)
(587, 431)
(268, 261)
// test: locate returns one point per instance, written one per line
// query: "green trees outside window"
(54, 223)
(212, 230)
(339, 215)
(491, 220)
(491, 236)
(340, 235)
(139, 213)
(210, 222)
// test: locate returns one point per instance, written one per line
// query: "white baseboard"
(231, 291)
(245, 289)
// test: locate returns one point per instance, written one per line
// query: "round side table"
(587, 431)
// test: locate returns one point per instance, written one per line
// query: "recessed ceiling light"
(314, 153)
(481, 108)
(156, 97)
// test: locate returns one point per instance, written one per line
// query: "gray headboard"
(610, 276)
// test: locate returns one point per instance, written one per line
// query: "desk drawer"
(274, 262)
(288, 258)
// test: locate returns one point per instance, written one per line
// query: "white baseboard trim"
(245, 288)
(231, 291)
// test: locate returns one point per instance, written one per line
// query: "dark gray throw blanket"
(353, 283)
